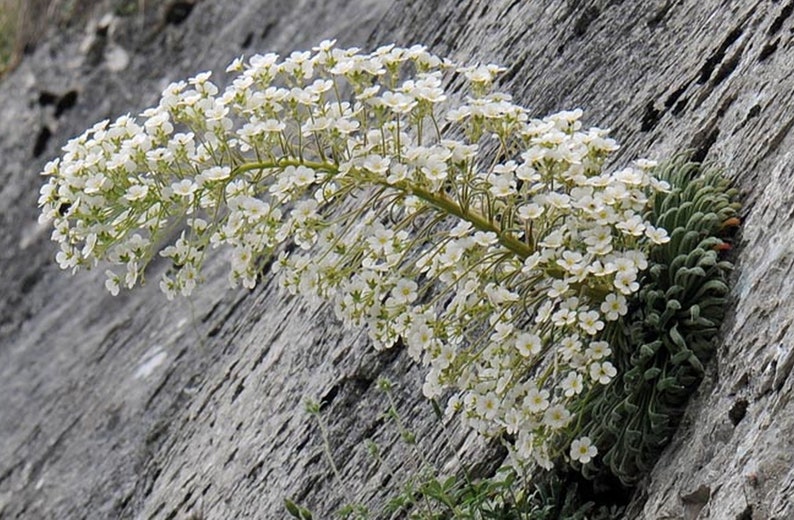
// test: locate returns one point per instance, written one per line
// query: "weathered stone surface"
(134, 407)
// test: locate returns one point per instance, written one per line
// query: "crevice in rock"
(47, 98)
(249, 38)
(727, 68)
(680, 106)
(738, 411)
(230, 458)
(266, 29)
(328, 398)
(673, 97)
(746, 514)
(718, 55)
(703, 143)
(158, 389)
(753, 112)
(122, 503)
(226, 319)
(774, 143)
(177, 12)
(238, 390)
(777, 24)
(65, 102)
(582, 24)
(42, 139)
(695, 501)
(768, 50)
(157, 432)
(509, 8)
(112, 338)
(30, 281)
(650, 117)
(215, 389)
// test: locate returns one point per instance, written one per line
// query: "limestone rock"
(136, 407)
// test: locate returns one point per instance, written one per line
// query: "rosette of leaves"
(670, 332)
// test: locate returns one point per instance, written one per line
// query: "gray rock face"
(136, 407)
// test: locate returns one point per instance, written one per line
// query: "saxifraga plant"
(669, 334)
(496, 247)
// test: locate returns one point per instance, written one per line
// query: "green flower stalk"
(495, 246)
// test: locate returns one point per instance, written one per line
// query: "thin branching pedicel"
(495, 246)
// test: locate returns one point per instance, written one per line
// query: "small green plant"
(126, 7)
(9, 26)
(427, 494)
(497, 247)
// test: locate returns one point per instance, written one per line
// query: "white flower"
(598, 350)
(431, 387)
(184, 188)
(536, 400)
(525, 445)
(96, 183)
(558, 288)
(564, 317)
(553, 240)
(544, 312)
(168, 286)
(90, 243)
(571, 262)
(530, 211)
(527, 173)
(397, 172)
(501, 186)
(637, 258)
(435, 170)
(657, 235)
(272, 126)
(572, 384)
(513, 421)
(445, 357)
(398, 102)
(582, 450)
(590, 323)
(633, 226)
(488, 406)
(216, 173)
(602, 372)
(136, 192)
(558, 200)
(528, 344)
(481, 74)
(646, 164)
(614, 306)
(570, 346)
(629, 176)
(303, 176)
(376, 164)
(485, 238)
(458, 115)
(626, 283)
(405, 291)
(112, 283)
(236, 65)
(501, 331)
(556, 417)
(660, 186)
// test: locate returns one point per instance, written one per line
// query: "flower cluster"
(493, 245)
